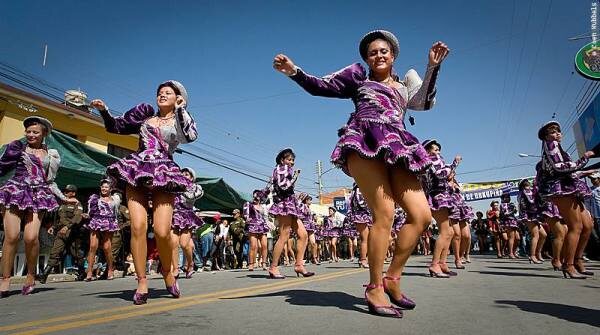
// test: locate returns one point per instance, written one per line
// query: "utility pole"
(319, 180)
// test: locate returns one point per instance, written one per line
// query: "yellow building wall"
(10, 129)
(86, 130)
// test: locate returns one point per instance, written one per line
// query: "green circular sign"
(587, 61)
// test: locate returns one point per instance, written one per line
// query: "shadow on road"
(340, 300)
(566, 312)
(35, 291)
(519, 268)
(515, 274)
(127, 295)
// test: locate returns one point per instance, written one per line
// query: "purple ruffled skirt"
(360, 216)
(567, 186)
(399, 221)
(443, 200)
(287, 206)
(256, 227)
(309, 226)
(388, 141)
(149, 169)
(103, 223)
(333, 232)
(525, 216)
(24, 196)
(509, 223)
(349, 231)
(548, 210)
(186, 219)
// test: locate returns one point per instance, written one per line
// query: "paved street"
(492, 296)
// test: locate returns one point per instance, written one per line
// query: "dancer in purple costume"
(285, 209)
(547, 212)
(376, 150)
(508, 221)
(310, 226)
(462, 233)
(256, 227)
(102, 214)
(528, 215)
(185, 223)
(443, 206)
(559, 183)
(319, 238)
(151, 173)
(333, 230)
(360, 215)
(27, 196)
(350, 233)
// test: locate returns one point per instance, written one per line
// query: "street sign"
(587, 61)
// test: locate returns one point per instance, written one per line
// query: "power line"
(495, 168)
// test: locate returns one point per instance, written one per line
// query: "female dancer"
(462, 233)
(320, 239)
(548, 213)
(27, 196)
(285, 209)
(151, 173)
(256, 227)
(350, 233)
(493, 215)
(102, 213)
(443, 206)
(185, 223)
(481, 230)
(528, 215)
(376, 150)
(508, 221)
(559, 185)
(309, 224)
(360, 215)
(333, 229)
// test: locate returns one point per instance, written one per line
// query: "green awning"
(84, 166)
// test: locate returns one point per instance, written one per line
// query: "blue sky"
(509, 69)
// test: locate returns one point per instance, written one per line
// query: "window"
(118, 151)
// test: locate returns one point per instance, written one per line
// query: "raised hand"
(180, 102)
(438, 52)
(284, 64)
(589, 154)
(98, 104)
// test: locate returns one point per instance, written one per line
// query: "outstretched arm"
(341, 84)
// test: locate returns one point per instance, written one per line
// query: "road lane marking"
(119, 313)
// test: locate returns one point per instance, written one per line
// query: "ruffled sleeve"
(130, 122)
(341, 84)
(441, 170)
(283, 176)
(185, 126)
(10, 156)
(93, 205)
(421, 93)
(194, 192)
(52, 172)
(246, 211)
(558, 161)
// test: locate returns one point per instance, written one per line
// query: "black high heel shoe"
(570, 275)
(388, 311)
(531, 260)
(580, 269)
(303, 273)
(275, 276)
